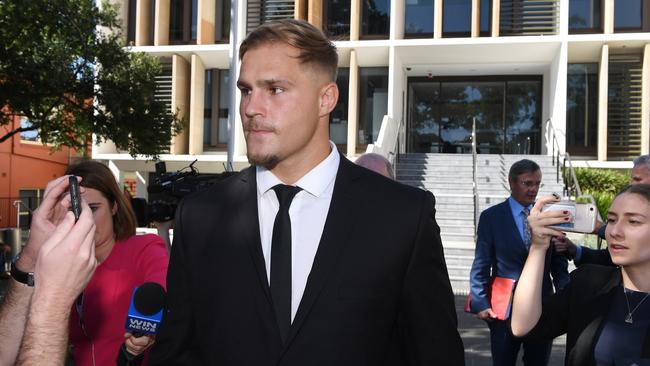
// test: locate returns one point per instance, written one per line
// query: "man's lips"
(618, 247)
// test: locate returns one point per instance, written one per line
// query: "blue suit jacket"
(500, 251)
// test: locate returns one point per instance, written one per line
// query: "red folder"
(500, 294)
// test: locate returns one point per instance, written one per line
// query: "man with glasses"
(503, 239)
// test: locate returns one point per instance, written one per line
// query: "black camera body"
(167, 189)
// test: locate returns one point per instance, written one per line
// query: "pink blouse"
(138, 259)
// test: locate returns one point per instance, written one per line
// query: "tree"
(64, 67)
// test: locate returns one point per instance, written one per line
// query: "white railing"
(386, 144)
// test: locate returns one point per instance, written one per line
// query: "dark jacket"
(378, 292)
(579, 311)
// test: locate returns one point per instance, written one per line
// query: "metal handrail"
(571, 184)
(474, 176)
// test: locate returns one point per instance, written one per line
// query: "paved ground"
(474, 333)
(476, 338)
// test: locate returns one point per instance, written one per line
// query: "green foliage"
(603, 184)
(64, 67)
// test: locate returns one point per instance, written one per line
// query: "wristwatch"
(23, 277)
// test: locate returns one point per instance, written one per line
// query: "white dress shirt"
(308, 212)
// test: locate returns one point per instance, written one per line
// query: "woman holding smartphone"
(124, 261)
(605, 311)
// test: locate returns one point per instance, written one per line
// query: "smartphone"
(582, 216)
(75, 197)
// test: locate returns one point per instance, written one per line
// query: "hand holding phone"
(75, 197)
(582, 216)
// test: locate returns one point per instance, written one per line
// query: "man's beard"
(267, 161)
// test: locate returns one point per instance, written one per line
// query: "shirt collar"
(315, 182)
(517, 207)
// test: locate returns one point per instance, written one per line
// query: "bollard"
(11, 237)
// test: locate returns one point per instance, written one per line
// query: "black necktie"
(281, 259)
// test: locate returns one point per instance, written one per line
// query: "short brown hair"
(642, 190)
(314, 47)
(97, 176)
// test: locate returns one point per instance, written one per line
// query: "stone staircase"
(449, 178)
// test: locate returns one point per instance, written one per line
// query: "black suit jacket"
(580, 311)
(378, 292)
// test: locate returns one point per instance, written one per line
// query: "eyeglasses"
(530, 184)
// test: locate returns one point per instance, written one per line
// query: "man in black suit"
(304, 258)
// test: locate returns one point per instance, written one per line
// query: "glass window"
(339, 116)
(628, 15)
(506, 110)
(130, 33)
(222, 21)
(373, 104)
(585, 16)
(418, 21)
(182, 21)
(336, 19)
(485, 17)
(582, 110)
(215, 112)
(522, 122)
(457, 18)
(28, 135)
(375, 22)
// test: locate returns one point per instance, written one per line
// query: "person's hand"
(487, 315)
(539, 222)
(52, 210)
(66, 261)
(137, 345)
(564, 246)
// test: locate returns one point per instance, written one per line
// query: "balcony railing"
(529, 17)
(262, 11)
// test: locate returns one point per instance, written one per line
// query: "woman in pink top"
(125, 261)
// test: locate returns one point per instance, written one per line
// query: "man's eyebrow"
(264, 83)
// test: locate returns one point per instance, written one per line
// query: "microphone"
(143, 318)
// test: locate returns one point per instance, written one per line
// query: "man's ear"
(329, 95)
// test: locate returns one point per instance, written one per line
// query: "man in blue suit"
(501, 251)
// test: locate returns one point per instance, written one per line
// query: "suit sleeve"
(427, 321)
(173, 344)
(595, 256)
(559, 269)
(482, 265)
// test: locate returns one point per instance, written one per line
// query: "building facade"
(26, 166)
(523, 70)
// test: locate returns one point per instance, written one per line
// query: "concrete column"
(645, 102)
(496, 17)
(161, 28)
(315, 13)
(300, 9)
(197, 105)
(608, 16)
(355, 20)
(397, 15)
(143, 22)
(353, 104)
(205, 22)
(476, 18)
(181, 101)
(603, 74)
(437, 19)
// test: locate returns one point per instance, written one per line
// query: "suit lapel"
(247, 217)
(507, 213)
(343, 208)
